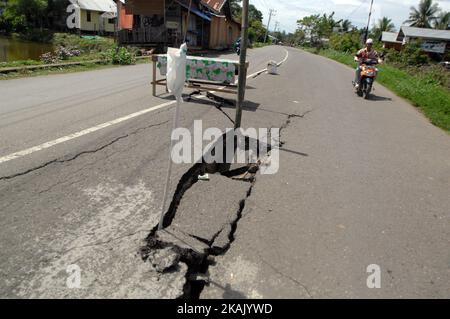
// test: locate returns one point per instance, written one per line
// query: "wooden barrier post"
(154, 60)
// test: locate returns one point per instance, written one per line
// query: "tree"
(56, 14)
(383, 25)
(256, 31)
(346, 25)
(347, 42)
(253, 13)
(424, 15)
(318, 26)
(443, 21)
(328, 24)
(25, 14)
(235, 8)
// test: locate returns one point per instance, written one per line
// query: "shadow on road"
(293, 152)
(376, 98)
(228, 292)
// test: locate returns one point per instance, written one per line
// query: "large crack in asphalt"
(74, 157)
(165, 249)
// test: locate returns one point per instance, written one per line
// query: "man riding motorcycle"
(368, 53)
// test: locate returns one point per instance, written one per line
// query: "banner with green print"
(199, 68)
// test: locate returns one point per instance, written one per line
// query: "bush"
(49, 58)
(431, 74)
(411, 55)
(64, 53)
(84, 44)
(119, 55)
(347, 42)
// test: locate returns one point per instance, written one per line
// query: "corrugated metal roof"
(194, 9)
(413, 32)
(98, 5)
(216, 5)
(390, 37)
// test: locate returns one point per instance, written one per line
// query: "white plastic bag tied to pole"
(176, 77)
(176, 71)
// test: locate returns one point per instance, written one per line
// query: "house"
(433, 41)
(165, 23)
(125, 19)
(96, 16)
(224, 29)
(389, 40)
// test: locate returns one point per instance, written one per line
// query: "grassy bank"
(73, 48)
(85, 66)
(421, 89)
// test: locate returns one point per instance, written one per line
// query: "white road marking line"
(81, 133)
(99, 127)
(265, 70)
(285, 58)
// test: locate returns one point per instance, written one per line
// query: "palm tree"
(346, 25)
(424, 14)
(385, 25)
(443, 21)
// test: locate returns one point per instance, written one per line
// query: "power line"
(354, 11)
(265, 3)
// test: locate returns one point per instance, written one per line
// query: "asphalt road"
(360, 183)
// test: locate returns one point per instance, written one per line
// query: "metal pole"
(117, 24)
(268, 24)
(368, 22)
(242, 81)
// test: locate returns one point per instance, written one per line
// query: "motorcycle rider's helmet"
(369, 41)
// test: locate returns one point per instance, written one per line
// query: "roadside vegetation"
(35, 20)
(39, 21)
(92, 52)
(410, 73)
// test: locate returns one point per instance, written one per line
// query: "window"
(88, 16)
(112, 21)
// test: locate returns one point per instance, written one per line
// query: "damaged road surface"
(360, 183)
(75, 217)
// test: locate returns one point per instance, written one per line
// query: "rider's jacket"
(365, 54)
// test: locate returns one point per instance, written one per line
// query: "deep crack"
(198, 263)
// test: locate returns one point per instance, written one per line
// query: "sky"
(289, 11)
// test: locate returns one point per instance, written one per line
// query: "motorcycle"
(237, 46)
(368, 75)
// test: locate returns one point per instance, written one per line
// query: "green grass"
(68, 69)
(88, 46)
(257, 45)
(424, 93)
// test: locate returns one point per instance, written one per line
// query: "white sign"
(435, 47)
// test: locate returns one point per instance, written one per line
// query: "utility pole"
(242, 80)
(277, 24)
(368, 22)
(271, 13)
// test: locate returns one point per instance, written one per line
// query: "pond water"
(12, 49)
